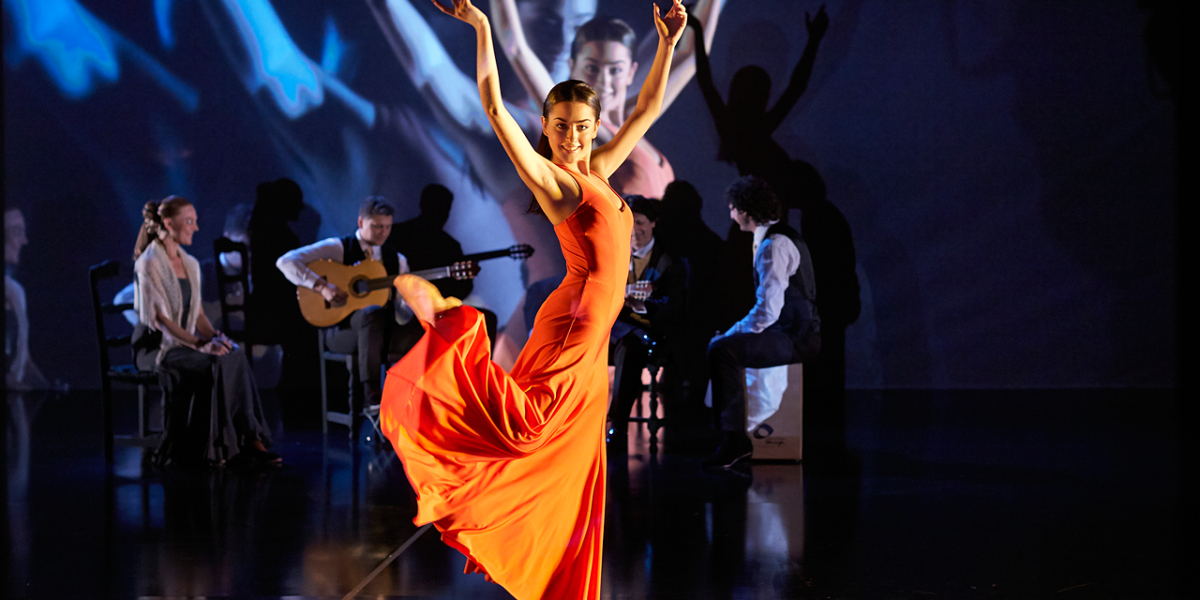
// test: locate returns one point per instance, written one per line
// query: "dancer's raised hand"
(463, 11)
(670, 27)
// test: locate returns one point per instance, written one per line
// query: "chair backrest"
(101, 308)
(233, 289)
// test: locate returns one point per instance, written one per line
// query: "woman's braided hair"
(153, 214)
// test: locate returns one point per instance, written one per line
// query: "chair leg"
(652, 419)
(353, 405)
(106, 409)
(142, 414)
(106, 402)
(324, 387)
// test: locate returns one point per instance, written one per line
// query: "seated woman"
(213, 413)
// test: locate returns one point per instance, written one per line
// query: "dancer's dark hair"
(571, 90)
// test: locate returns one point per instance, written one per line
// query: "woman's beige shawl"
(157, 291)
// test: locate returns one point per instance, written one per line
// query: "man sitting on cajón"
(783, 328)
(376, 331)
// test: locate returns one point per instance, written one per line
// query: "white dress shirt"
(294, 265)
(776, 259)
(639, 306)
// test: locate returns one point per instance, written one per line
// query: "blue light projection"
(78, 51)
(162, 16)
(278, 65)
(72, 45)
(334, 50)
(294, 82)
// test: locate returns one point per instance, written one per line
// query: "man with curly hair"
(782, 328)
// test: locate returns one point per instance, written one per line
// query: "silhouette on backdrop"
(827, 233)
(426, 245)
(274, 314)
(744, 127)
(683, 233)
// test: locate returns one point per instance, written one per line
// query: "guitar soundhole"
(359, 286)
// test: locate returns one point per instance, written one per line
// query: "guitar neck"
(383, 283)
(478, 256)
(436, 273)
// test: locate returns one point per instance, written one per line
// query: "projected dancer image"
(510, 466)
(603, 55)
(453, 98)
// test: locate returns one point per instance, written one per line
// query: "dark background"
(1007, 169)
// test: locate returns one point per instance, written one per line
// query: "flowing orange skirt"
(510, 468)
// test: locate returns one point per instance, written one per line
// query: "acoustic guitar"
(367, 283)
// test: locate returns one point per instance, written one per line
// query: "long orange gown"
(510, 467)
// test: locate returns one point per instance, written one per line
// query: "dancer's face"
(608, 67)
(745, 223)
(375, 229)
(571, 127)
(182, 226)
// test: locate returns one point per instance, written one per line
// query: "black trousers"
(373, 334)
(213, 409)
(728, 358)
(629, 357)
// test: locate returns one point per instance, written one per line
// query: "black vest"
(352, 253)
(799, 314)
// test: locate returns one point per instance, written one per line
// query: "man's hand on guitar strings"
(332, 293)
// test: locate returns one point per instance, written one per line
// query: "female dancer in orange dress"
(510, 467)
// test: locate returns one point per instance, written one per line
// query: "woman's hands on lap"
(219, 345)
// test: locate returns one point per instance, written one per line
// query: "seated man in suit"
(373, 332)
(781, 329)
(644, 320)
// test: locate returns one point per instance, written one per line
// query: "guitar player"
(375, 331)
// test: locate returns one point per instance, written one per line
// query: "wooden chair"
(351, 417)
(237, 286)
(122, 372)
(356, 409)
(656, 358)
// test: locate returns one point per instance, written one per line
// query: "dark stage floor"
(1061, 494)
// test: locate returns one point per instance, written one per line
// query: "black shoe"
(733, 450)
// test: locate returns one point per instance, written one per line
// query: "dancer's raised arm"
(608, 157)
(555, 191)
(683, 65)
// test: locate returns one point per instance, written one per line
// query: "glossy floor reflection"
(941, 495)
